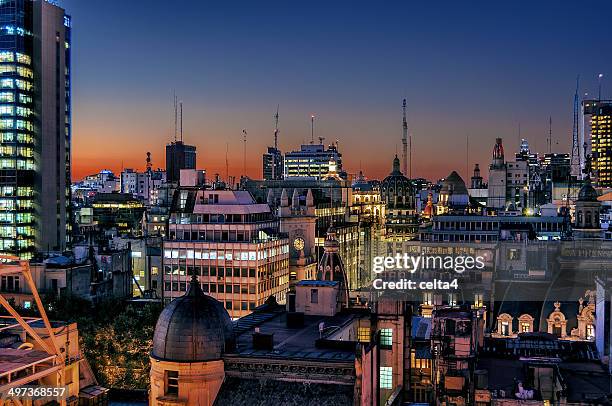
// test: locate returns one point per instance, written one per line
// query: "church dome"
(193, 328)
(587, 193)
(396, 189)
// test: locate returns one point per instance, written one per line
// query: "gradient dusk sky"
(477, 68)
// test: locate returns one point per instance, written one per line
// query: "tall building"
(35, 126)
(179, 156)
(496, 198)
(598, 129)
(231, 242)
(313, 161)
(143, 185)
(272, 164)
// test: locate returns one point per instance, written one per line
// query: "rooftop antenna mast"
(550, 134)
(181, 109)
(312, 117)
(276, 128)
(175, 117)
(227, 162)
(404, 140)
(599, 77)
(575, 161)
(244, 139)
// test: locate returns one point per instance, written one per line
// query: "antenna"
(226, 162)
(599, 77)
(410, 160)
(244, 138)
(404, 140)
(575, 161)
(276, 128)
(321, 139)
(312, 129)
(467, 156)
(550, 134)
(181, 105)
(175, 116)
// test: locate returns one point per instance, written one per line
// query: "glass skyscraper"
(35, 127)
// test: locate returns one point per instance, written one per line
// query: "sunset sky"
(477, 69)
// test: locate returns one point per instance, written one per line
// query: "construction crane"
(44, 366)
(404, 140)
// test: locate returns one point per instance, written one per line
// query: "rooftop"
(293, 343)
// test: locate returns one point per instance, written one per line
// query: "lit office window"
(363, 334)
(386, 378)
(386, 337)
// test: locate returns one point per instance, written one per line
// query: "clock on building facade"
(298, 243)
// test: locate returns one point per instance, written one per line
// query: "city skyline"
(233, 67)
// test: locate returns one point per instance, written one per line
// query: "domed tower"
(454, 195)
(587, 223)
(191, 335)
(331, 267)
(397, 192)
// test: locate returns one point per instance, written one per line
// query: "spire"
(309, 198)
(295, 199)
(270, 198)
(396, 165)
(284, 199)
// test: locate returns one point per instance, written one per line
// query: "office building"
(179, 156)
(313, 161)
(143, 185)
(598, 135)
(272, 164)
(231, 242)
(35, 127)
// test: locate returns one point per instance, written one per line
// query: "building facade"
(179, 156)
(313, 161)
(35, 123)
(231, 242)
(598, 134)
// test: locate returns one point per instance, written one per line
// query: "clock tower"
(298, 221)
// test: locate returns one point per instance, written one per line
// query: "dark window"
(314, 296)
(172, 383)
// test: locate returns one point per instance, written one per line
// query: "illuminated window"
(386, 337)
(525, 327)
(363, 334)
(386, 378)
(590, 332)
(478, 300)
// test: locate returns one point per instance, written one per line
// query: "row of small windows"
(9, 56)
(10, 110)
(20, 70)
(8, 124)
(21, 137)
(9, 150)
(21, 191)
(227, 255)
(9, 97)
(21, 164)
(12, 204)
(19, 218)
(13, 232)
(7, 83)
